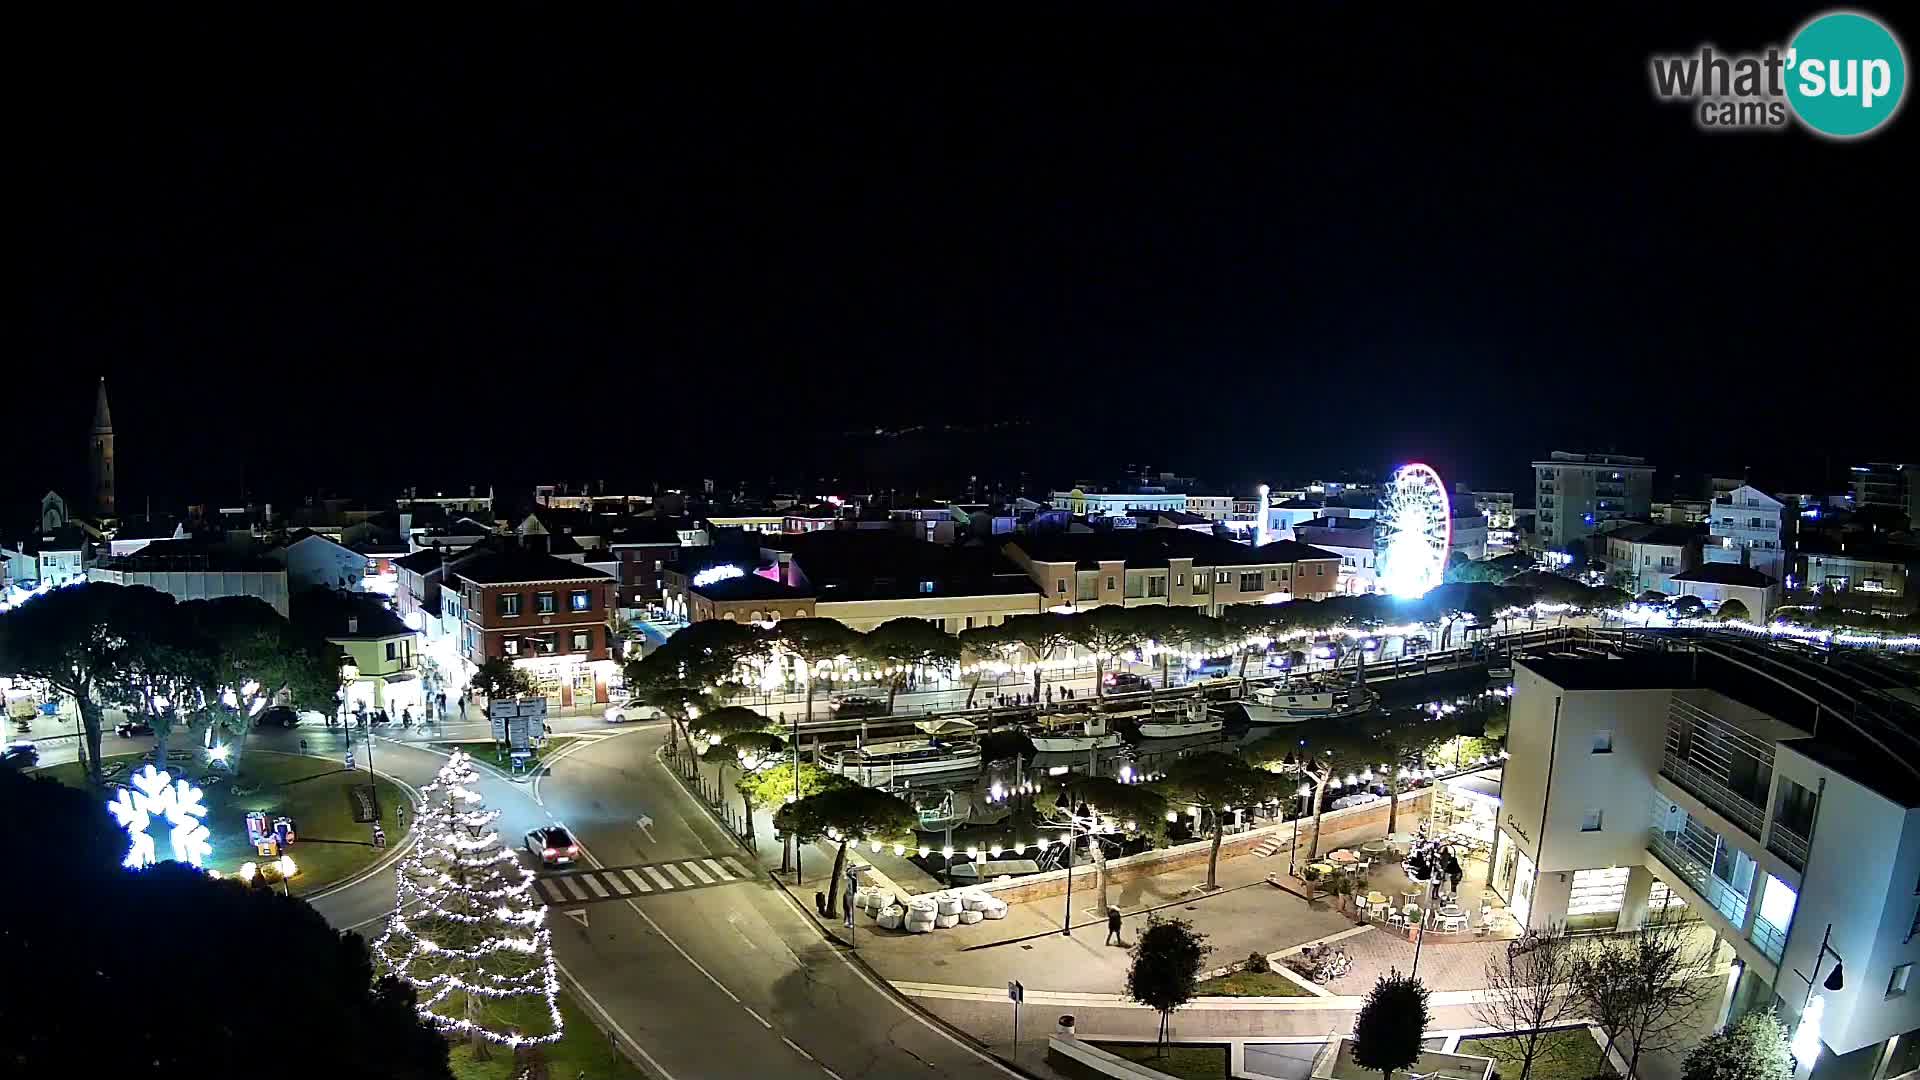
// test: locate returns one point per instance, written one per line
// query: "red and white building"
(546, 614)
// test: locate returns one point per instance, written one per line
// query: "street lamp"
(1805, 1045)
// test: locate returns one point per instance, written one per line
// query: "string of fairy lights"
(455, 884)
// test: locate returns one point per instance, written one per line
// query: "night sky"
(361, 256)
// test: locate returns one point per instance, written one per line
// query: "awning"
(1483, 785)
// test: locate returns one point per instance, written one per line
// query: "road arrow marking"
(578, 915)
(646, 826)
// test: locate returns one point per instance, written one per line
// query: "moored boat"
(1195, 719)
(889, 759)
(1072, 731)
(1284, 705)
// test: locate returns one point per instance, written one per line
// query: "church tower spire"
(100, 460)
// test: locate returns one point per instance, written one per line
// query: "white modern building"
(1574, 493)
(1211, 507)
(1748, 528)
(1717, 583)
(1644, 558)
(185, 570)
(1763, 794)
(1116, 503)
(1467, 534)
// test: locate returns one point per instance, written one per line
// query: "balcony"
(1789, 845)
(1691, 851)
(1719, 764)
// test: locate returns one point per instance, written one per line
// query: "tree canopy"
(169, 981)
(1752, 1048)
(1166, 961)
(1388, 1030)
(500, 679)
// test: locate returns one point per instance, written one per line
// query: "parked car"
(622, 712)
(854, 706)
(20, 755)
(127, 729)
(1127, 682)
(552, 845)
(279, 716)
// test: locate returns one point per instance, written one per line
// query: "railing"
(1789, 845)
(1720, 798)
(1699, 876)
(1769, 939)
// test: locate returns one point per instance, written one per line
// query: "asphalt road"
(727, 979)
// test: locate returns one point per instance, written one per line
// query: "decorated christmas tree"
(466, 929)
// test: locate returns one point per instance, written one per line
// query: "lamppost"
(1805, 1045)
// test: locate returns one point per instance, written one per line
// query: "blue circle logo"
(1846, 74)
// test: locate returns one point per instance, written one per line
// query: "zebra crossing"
(648, 879)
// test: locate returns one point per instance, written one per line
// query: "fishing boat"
(882, 762)
(1193, 720)
(1315, 701)
(1068, 732)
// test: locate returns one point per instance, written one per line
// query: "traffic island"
(582, 1050)
(330, 806)
(496, 756)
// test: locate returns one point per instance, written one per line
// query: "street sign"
(1016, 993)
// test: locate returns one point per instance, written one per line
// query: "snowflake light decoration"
(156, 794)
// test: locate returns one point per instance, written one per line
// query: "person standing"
(1113, 927)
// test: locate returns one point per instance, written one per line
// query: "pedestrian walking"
(406, 718)
(463, 707)
(1113, 927)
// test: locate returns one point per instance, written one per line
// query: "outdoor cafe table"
(1322, 869)
(1376, 847)
(1343, 857)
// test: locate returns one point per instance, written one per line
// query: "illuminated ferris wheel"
(1414, 530)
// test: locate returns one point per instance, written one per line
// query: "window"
(581, 599)
(1219, 577)
(509, 604)
(510, 647)
(548, 643)
(1273, 575)
(1590, 821)
(1250, 581)
(1179, 579)
(544, 603)
(1603, 742)
(1059, 585)
(393, 650)
(582, 640)
(1109, 584)
(1319, 570)
(926, 588)
(1199, 583)
(1897, 985)
(1156, 586)
(969, 622)
(1284, 572)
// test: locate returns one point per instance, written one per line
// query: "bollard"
(1066, 1026)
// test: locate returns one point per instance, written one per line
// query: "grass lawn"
(1568, 1054)
(329, 844)
(1252, 984)
(483, 750)
(582, 1051)
(1186, 1062)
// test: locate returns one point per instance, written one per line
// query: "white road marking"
(648, 919)
(593, 882)
(756, 1016)
(552, 891)
(638, 883)
(619, 886)
(615, 1025)
(573, 887)
(796, 1048)
(658, 877)
(716, 868)
(677, 875)
(578, 915)
(694, 869)
(830, 1072)
(737, 868)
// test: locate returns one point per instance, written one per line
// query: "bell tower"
(100, 457)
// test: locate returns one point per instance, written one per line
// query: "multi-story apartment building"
(1211, 507)
(1079, 571)
(642, 552)
(1888, 486)
(1574, 493)
(1770, 797)
(1467, 533)
(1643, 558)
(192, 570)
(546, 614)
(1749, 528)
(1353, 540)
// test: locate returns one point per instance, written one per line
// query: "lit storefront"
(569, 681)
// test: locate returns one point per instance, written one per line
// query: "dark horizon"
(1268, 251)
